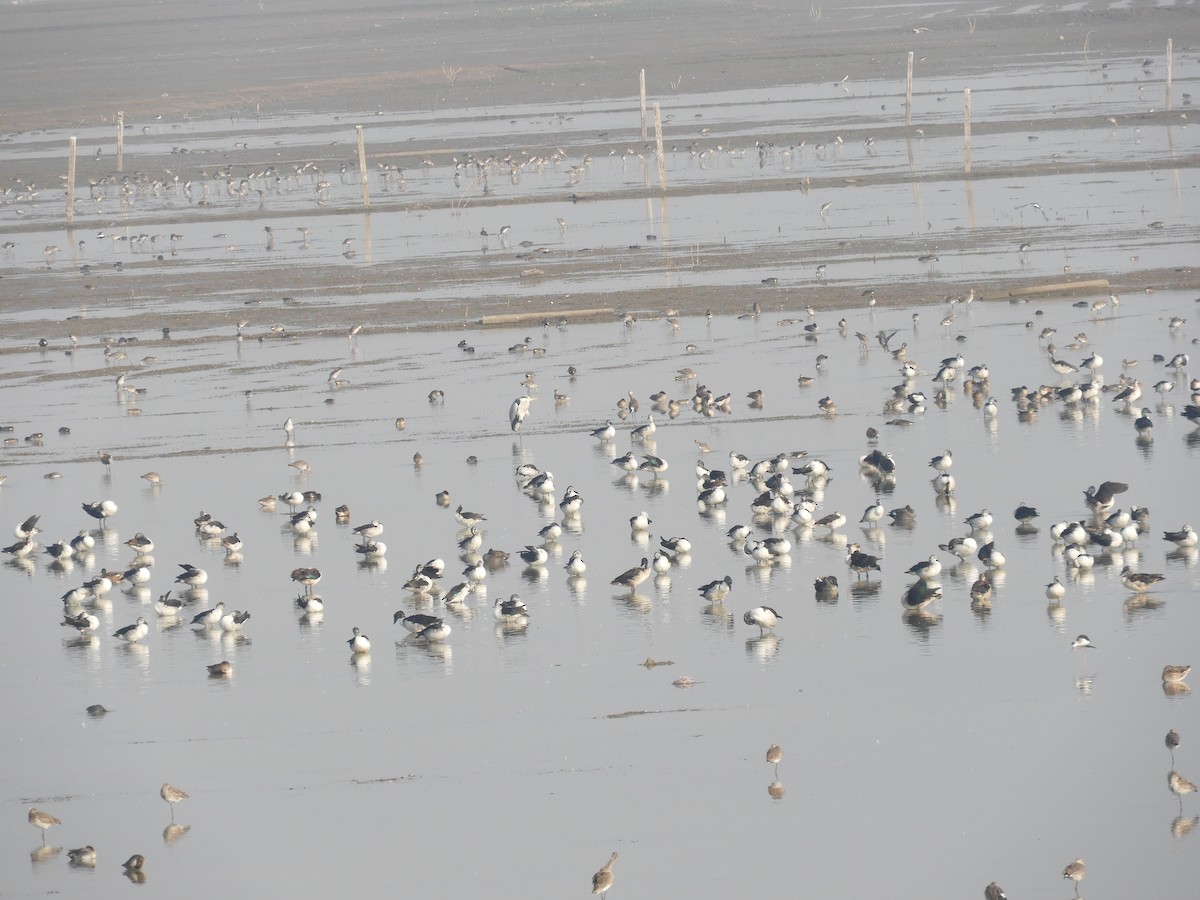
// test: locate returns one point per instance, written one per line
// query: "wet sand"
(259, 105)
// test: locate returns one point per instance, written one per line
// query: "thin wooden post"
(120, 141)
(362, 167)
(658, 148)
(642, 79)
(908, 91)
(967, 131)
(1170, 66)
(71, 182)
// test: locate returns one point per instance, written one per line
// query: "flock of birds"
(787, 506)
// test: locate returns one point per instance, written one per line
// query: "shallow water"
(951, 749)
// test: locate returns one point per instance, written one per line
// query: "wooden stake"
(1170, 66)
(658, 148)
(967, 131)
(120, 141)
(642, 79)
(908, 91)
(71, 181)
(362, 167)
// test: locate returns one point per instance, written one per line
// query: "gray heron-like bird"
(518, 411)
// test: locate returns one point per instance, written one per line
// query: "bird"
(1139, 582)
(209, 616)
(82, 856)
(371, 530)
(1184, 537)
(359, 642)
(605, 432)
(861, 563)
(101, 510)
(1083, 642)
(928, 569)
(1055, 590)
(1075, 872)
(1175, 674)
(1172, 741)
(716, 591)
(1179, 785)
(82, 622)
(764, 617)
(511, 611)
(437, 630)
(826, 588)
(920, 594)
(135, 632)
(990, 556)
(981, 589)
(413, 623)
(134, 866)
(603, 880)
(774, 755)
(191, 576)
(42, 820)
(631, 578)
(307, 576)
(575, 565)
(994, 892)
(172, 795)
(518, 411)
(223, 669)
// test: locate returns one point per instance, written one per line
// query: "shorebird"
(82, 856)
(994, 892)
(171, 795)
(1083, 642)
(359, 642)
(764, 617)
(134, 865)
(1025, 514)
(606, 432)
(1175, 674)
(603, 879)
(1055, 590)
(1180, 786)
(1075, 872)
(42, 820)
(774, 755)
(1172, 741)
(437, 630)
(1139, 582)
(310, 603)
(223, 669)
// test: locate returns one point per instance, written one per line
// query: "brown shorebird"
(1180, 786)
(172, 795)
(42, 820)
(603, 879)
(1075, 872)
(774, 755)
(1175, 674)
(994, 892)
(223, 669)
